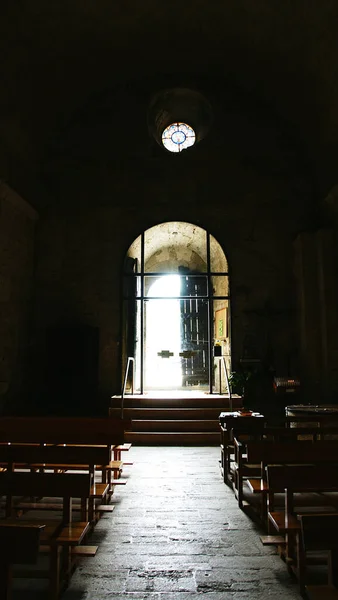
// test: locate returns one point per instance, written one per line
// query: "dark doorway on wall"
(72, 357)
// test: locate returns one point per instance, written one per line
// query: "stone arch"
(190, 252)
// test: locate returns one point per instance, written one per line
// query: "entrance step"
(176, 420)
(206, 401)
(173, 426)
(175, 438)
(167, 413)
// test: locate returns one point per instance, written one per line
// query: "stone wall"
(246, 183)
(81, 252)
(17, 226)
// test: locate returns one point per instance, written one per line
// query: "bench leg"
(333, 566)
(291, 548)
(84, 509)
(264, 509)
(66, 568)
(91, 506)
(54, 578)
(301, 566)
(104, 475)
(239, 487)
(5, 581)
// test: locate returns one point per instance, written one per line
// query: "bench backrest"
(63, 430)
(289, 452)
(312, 432)
(65, 485)
(20, 542)
(281, 434)
(45, 485)
(322, 419)
(319, 532)
(71, 455)
(302, 478)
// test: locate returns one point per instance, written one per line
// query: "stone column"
(327, 247)
(17, 224)
(306, 274)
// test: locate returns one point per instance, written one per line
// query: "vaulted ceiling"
(63, 59)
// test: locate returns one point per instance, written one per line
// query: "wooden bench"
(20, 545)
(318, 533)
(288, 452)
(60, 534)
(313, 482)
(320, 419)
(260, 429)
(64, 430)
(251, 457)
(67, 430)
(61, 459)
(118, 449)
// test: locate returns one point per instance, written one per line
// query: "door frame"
(138, 273)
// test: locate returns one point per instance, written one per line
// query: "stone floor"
(177, 534)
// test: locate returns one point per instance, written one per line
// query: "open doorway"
(162, 368)
(176, 309)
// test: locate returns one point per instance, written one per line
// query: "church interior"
(87, 91)
(168, 243)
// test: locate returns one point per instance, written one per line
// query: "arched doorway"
(176, 309)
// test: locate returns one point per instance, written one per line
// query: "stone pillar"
(17, 225)
(328, 303)
(316, 275)
(306, 274)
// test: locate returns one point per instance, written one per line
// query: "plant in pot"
(238, 381)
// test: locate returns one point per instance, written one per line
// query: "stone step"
(168, 420)
(167, 413)
(170, 425)
(209, 401)
(150, 438)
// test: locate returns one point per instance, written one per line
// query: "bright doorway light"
(163, 334)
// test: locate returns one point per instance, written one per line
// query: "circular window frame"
(179, 105)
(178, 136)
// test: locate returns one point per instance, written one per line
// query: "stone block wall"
(243, 183)
(81, 251)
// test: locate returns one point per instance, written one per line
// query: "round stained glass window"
(178, 137)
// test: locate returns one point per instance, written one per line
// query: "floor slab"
(177, 534)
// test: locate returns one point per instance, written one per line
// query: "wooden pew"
(259, 430)
(284, 433)
(60, 535)
(117, 450)
(20, 545)
(273, 446)
(66, 430)
(60, 458)
(320, 419)
(310, 480)
(322, 453)
(318, 532)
